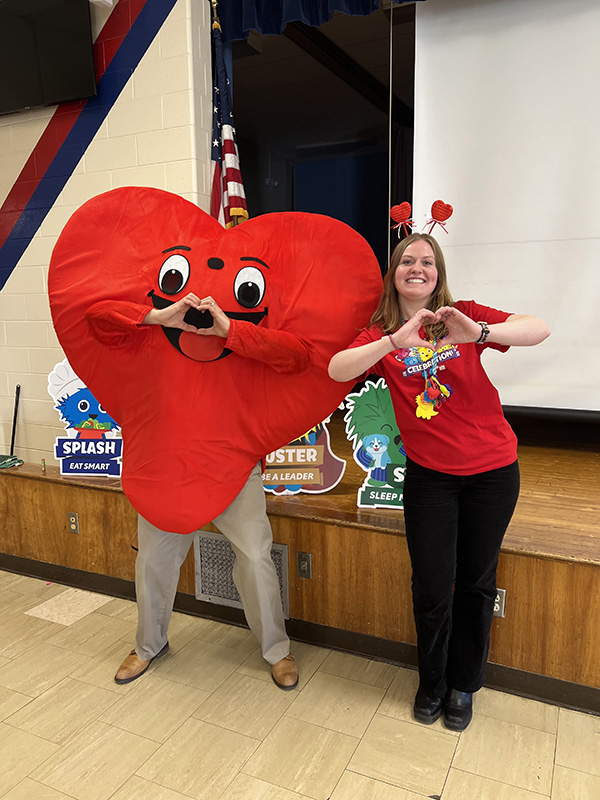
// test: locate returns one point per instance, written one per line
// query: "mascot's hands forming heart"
(197, 412)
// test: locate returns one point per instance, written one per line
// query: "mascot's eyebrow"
(177, 247)
(258, 261)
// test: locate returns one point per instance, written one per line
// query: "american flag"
(228, 199)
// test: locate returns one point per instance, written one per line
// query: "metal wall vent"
(214, 559)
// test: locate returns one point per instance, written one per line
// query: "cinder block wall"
(157, 134)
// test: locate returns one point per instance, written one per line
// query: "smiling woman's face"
(416, 275)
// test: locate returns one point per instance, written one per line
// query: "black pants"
(454, 527)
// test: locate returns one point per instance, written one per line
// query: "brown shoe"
(134, 666)
(285, 673)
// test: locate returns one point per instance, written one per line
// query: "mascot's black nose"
(215, 263)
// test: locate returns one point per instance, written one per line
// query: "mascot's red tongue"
(201, 348)
(195, 417)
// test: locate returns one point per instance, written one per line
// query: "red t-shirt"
(469, 434)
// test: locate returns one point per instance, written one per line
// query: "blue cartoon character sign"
(306, 465)
(92, 446)
(378, 449)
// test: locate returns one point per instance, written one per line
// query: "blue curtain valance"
(238, 17)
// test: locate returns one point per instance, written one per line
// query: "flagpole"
(214, 4)
(387, 227)
(227, 196)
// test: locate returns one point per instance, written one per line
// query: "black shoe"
(427, 710)
(458, 710)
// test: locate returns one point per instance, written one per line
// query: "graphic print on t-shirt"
(426, 361)
(420, 360)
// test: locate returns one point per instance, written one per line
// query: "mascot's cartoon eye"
(100, 409)
(174, 274)
(83, 405)
(249, 287)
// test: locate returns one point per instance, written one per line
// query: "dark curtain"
(238, 17)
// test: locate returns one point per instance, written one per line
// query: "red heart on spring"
(441, 211)
(401, 213)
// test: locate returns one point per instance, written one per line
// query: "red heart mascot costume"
(210, 348)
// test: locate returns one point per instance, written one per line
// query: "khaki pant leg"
(246, 526)
(159, 559)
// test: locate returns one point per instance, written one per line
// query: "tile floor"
(206, 721)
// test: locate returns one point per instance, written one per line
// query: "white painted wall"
(507, 120)
(157, 134)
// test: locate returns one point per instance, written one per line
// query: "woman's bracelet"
(485, 332)
(388, 336)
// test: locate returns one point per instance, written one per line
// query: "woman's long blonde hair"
(387, 316)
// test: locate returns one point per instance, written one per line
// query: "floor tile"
(302, 757)
(353, 786)
(245, 705)
(8, 579)
(229, 636)
(568, 784)
(246, 788)
(36, 588)
(507, 753)
(22, 583)
(520, 710)
(182, 629)
(12, 604)
(413, 757)
(308, 658)
(21, 753)
(199, 760)
(14, 600)
(357, 668)
(465, 786)
(201, 664)
(337, 703)
(96, 763)
(63, 711)
(100, 671)
(92, 634)
(139, 789)
(400, 698)
(20, 634)
(34, 676)
(11, 701)
(154, 708)
(121, 608)
(578, 745)
(32, 790)
(68, 606)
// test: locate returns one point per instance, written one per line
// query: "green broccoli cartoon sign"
(371, 428)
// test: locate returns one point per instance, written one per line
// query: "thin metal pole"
(389, 205)
(14, 424)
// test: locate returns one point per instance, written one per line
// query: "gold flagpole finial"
(215, 14)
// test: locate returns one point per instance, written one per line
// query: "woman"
(462, 475)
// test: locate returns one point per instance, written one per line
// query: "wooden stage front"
(359, 595)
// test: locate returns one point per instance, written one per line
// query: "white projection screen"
(507, 130)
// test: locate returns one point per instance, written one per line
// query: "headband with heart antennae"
(440, 212)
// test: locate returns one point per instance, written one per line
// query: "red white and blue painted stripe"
(119, 48)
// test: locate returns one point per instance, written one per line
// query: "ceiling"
(333, 99)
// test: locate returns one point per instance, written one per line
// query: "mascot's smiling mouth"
(201, 319)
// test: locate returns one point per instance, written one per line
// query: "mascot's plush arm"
(112, 320)
(282, 351)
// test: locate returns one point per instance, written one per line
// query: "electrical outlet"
(73, 522)
(500, 603)
(304, 565)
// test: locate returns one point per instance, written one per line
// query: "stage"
(358, 598)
